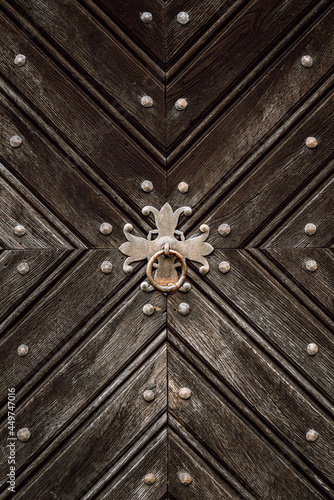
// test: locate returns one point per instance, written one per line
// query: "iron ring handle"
(172, 287)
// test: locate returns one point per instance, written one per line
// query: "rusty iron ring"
(172, 287)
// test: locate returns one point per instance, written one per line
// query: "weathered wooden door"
(111, 389)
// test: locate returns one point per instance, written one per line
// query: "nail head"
(312, 349)
(105, 228)
(15, 141)
(185, 478)
(146, 17)
(22, 350)
(149, 479)
(224, 267)
(20, 60)
(185, 393)
(23, 268)
(106, 267)
(19, 230)
(311, 265)
(148, 395)
(310, 229)
(147, 186)
(23, 434)
(224, 229)
(311, 142)
(183, 187)
(147, 101)
(148, 309)
(307, 61)
(183, 308)
(181, 104)
(182, 18)
(312, 435)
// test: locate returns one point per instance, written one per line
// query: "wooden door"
(223, 390)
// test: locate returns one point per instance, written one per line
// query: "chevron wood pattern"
(87, 145)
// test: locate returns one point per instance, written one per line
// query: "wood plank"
(262, 385)
(84, 126)
(97, 444)
(242, 128)
(101, 59)
(219, 67)
(206, 484)
(211, 419)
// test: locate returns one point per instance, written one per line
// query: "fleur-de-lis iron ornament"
(162, 251)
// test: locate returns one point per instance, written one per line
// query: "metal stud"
(148, 309)
(148, 395)
(20, 60)
(22, 350)
(224, 267)
(182, 18)
(106, 267)
(307, 61)
(149, 478)
(186, 287)
(310, 229)
(146, 17)
(224, 229)
(311, 142)
(312, 435)
(105, 228)
(181, 104)
(147, 186)
(185, 393)
(23, 268)
(311, 265)
(146, 101)
(23, 434)
(185, 478)
(183, 187)
(15, 141)
(183, 308)
(19, 230)
(312, 349)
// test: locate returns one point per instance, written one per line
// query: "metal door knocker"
(166, 253)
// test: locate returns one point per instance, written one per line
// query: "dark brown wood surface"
(242, 350)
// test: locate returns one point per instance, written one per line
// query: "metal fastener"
(146, 17)
(182, 18)
(23, 268)
(183, 187)
(147, 101)
(224, 267)
(310, 229)
(183, 308)
(149, 478)
(311, 142)
(185, 393)
(22, 350)
(23, 434)
(147, 186)
(148, 395)
(307, 61)
(19, 230)
(185, 478)
(312, 349)
(224, 229)
(15, 141)
(105, 228)
(148, 309)
(20, 60)
(106, 267)
(312, 435)
(181, 104)
(311, 265)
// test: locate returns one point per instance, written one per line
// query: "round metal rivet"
(181, 104)
(146, 17)
(182, 18)
(105, 228)
(312, 349)
(311, 265)
(224, 229)
(148, 395)
(106, 267)
(186, 287)
(224, 267)
(183, 187)
(23, 268)
(307, 61)
(185, 478)
(15, 141)
(311, 142)
(148, 309)
(183, 308)
(20, 60)
(23, 434)
(147, 186)
(310, 229)
(149, 479)
(147, 101)
(185, 393)
(22, 350)
(19, 230)
(312, 435)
